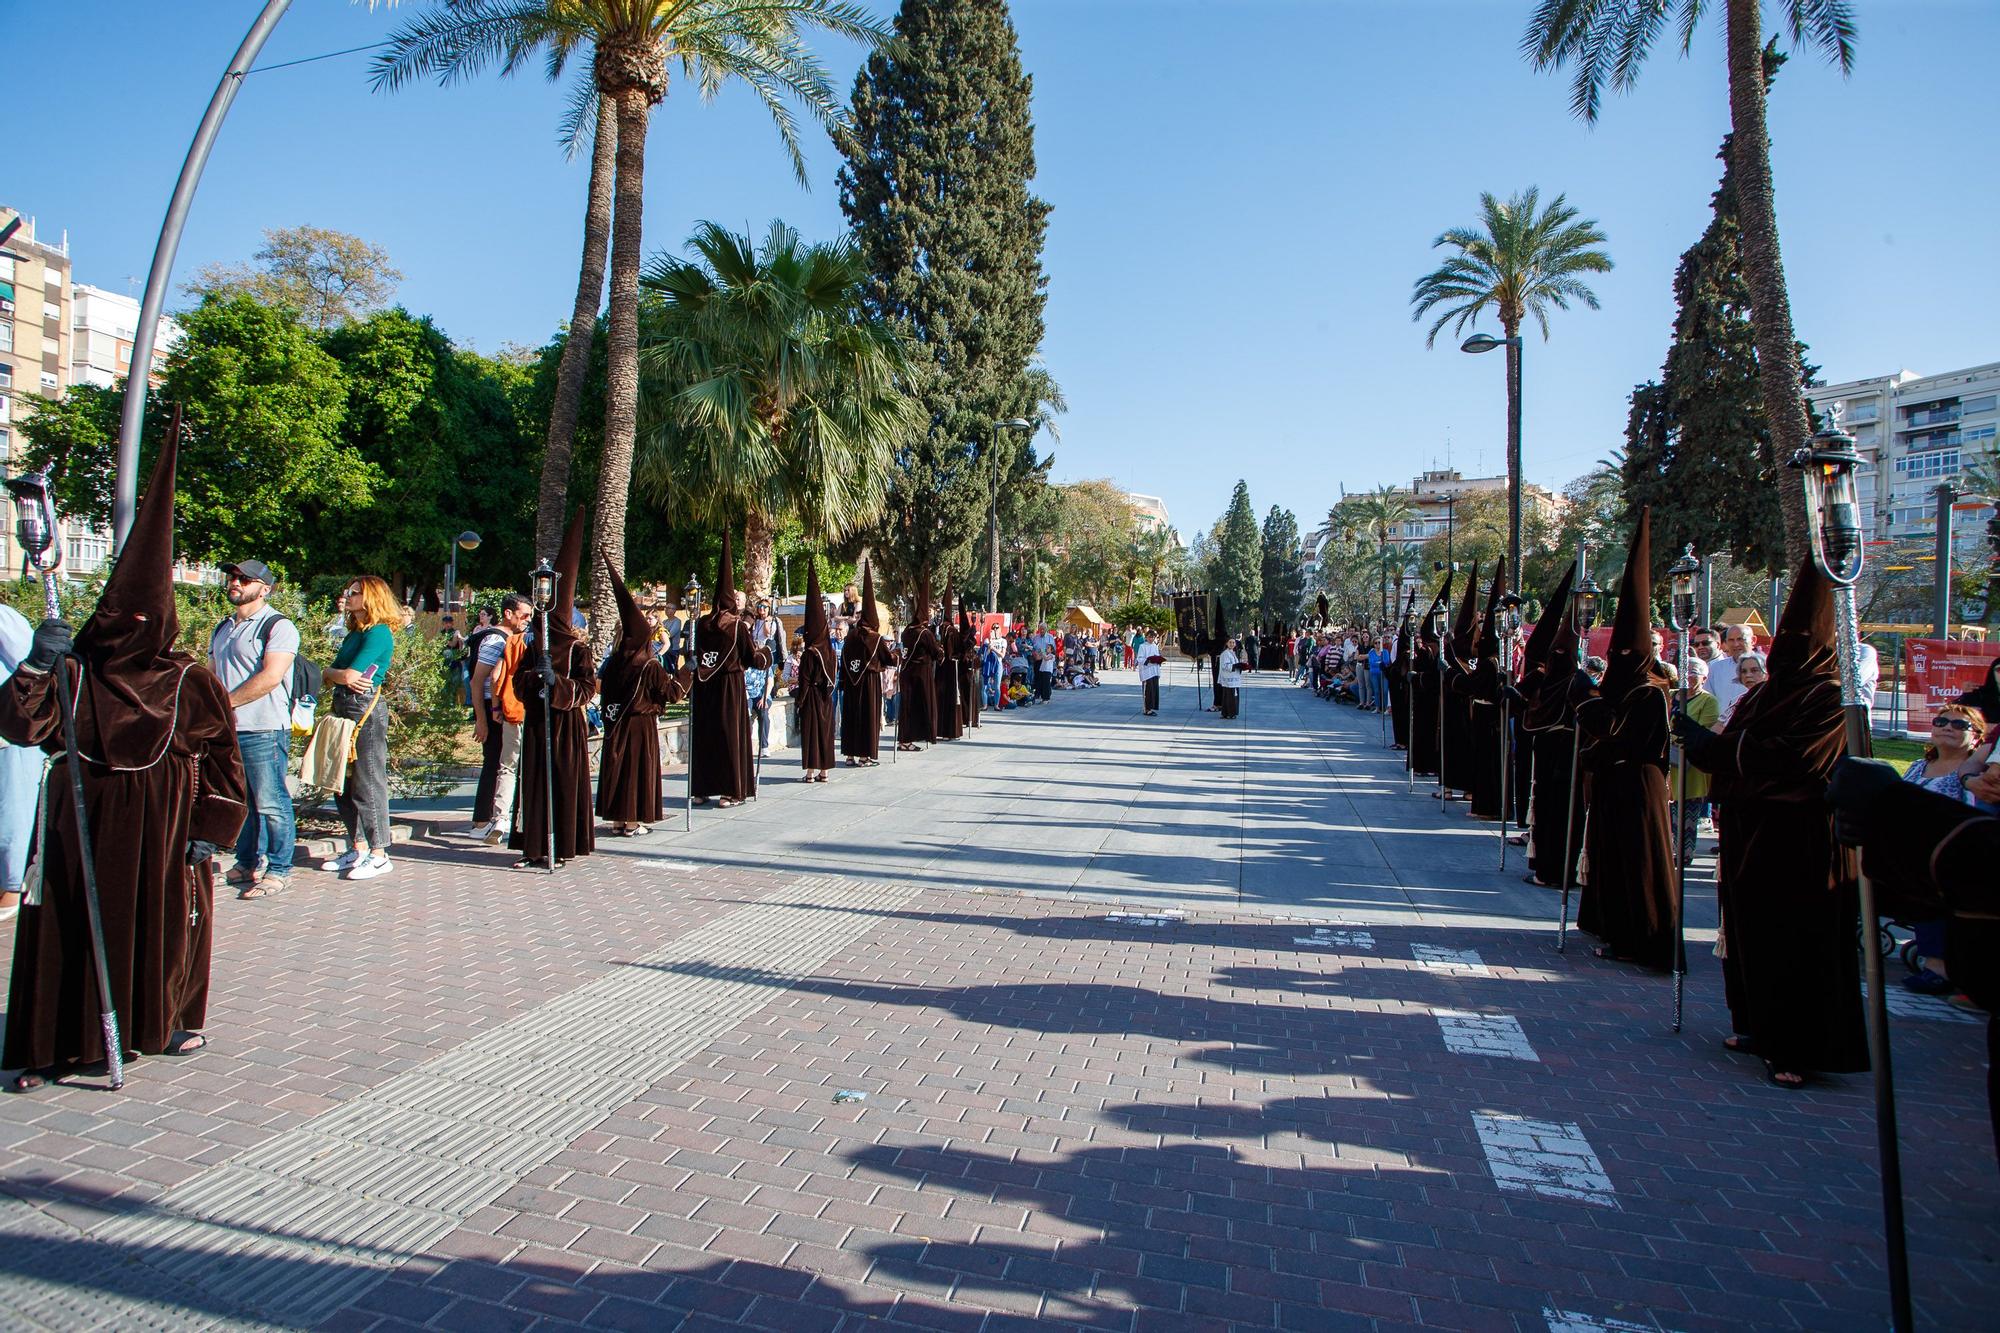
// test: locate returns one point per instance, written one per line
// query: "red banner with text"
(1938, 670)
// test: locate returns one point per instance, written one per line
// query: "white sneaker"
(345, 861)
(369, 867)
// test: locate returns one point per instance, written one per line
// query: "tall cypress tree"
(1283, 581)
(1697, 443)
(936, 188)
(1239, 561)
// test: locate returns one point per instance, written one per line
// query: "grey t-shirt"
(236, 653)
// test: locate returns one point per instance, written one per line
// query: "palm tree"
(1378, 512)
(769, 391)
(1608, 40)
(1520, 261)
(456, 42)
(636, 43)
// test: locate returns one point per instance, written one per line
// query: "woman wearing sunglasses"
(1951, 758)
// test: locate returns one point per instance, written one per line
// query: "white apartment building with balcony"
(103, 326)
(1915, 432)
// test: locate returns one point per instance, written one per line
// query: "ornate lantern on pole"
(1833, 524)
(1680, 617)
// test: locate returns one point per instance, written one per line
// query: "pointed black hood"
(1489, 626)
(1631, 653)
(569, 568)
(1543, 636)
(1468, 614)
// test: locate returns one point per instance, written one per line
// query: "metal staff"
(1404, 661)
(1510, 619)
(1680, 615)
(35, 526)
(1833, 511)
(543, 592)
(690, 597)
(1584, 607)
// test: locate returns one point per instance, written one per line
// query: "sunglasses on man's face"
(1955, 723)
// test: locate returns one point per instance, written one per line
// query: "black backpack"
(304, 686)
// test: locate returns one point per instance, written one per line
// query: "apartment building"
(35, 309)
(103, 326)
(1915, 432)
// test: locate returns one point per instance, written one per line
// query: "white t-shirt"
(1722, 682)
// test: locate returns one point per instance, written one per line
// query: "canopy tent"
(1083, 618)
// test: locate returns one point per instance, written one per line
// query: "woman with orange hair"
(357, 674)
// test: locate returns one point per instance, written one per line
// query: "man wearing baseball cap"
(252, 653)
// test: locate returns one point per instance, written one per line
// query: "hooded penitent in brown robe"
(916, 717)
(813, 693)
(634, 690)
(568, 728)
(1459, 759)
(863, 658)
(1629, 894)
(1548, 733)
(1397, 673)
(1480, 685)
(969, 688)
(950, 723)
(160, 771)
(723, 651)
(1425, 671)
(1789, 905)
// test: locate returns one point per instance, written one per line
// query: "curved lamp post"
(466, 541)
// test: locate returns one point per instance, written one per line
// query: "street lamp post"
(993, 514)
(1680, 617)
(1583, 614)
(466, 541)
(1485, 342)
(1833, 523)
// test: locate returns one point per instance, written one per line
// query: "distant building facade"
(1915, 432)
(102, 329)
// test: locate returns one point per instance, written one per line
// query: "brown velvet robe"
(569, 749)
(950, 721)
(1628, 900)
(724, 764)
(628, 763)
(862, 660)
(969, 690)
(813, 697)
(159, 912)
(1424, 710)
(916, 718)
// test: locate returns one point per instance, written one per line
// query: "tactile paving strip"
(300, 1226)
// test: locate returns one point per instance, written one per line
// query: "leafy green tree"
(1237, 572)
(1521, 261)
(1284, 583)
(1697, 444)
(770, 392)
(327, 276)
(636, 43)
(438, 424)
(1607, 41)
(1375, 515)
(74, 440)
(935, 184)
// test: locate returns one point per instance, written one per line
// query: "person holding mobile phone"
(357, 675)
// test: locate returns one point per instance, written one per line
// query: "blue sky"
(1243, 194)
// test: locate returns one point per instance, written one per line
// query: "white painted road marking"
(1926, 1008)
(1569, 1321)
(1542, 1157)
(1450, 962)
(1336, 939)
(1484, 1034)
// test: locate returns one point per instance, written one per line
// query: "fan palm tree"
(769, 391)
(1377, 513)
(1606, 41)
(1521, 261)
(636, 44)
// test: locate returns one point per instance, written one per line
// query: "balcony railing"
(1941, 416)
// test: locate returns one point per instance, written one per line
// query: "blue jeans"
(1378, 688)
(271, 828)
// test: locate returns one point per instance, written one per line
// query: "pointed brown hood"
(569, 568)
(1540, 639)
(869, 618)
(132, 670)
(1438, 603)
(1462, 628)
(944, 608)
(725, 577)
(634, 648)
(1631, 651)
(1489, 625)
(815, 630)
(1322, 611)
(1802, 657)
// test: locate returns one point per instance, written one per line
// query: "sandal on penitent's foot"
(1740, 1044)
(28, 1080)
(1784, 1078)
(185, 1043)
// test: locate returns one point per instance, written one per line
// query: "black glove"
(199, 851)
(1856, 785)
(54, 640)
(546, 674)
(1696, 740)
(1513, 696)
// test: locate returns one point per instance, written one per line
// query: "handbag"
(330, 752)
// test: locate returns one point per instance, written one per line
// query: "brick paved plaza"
(1094, 1020)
